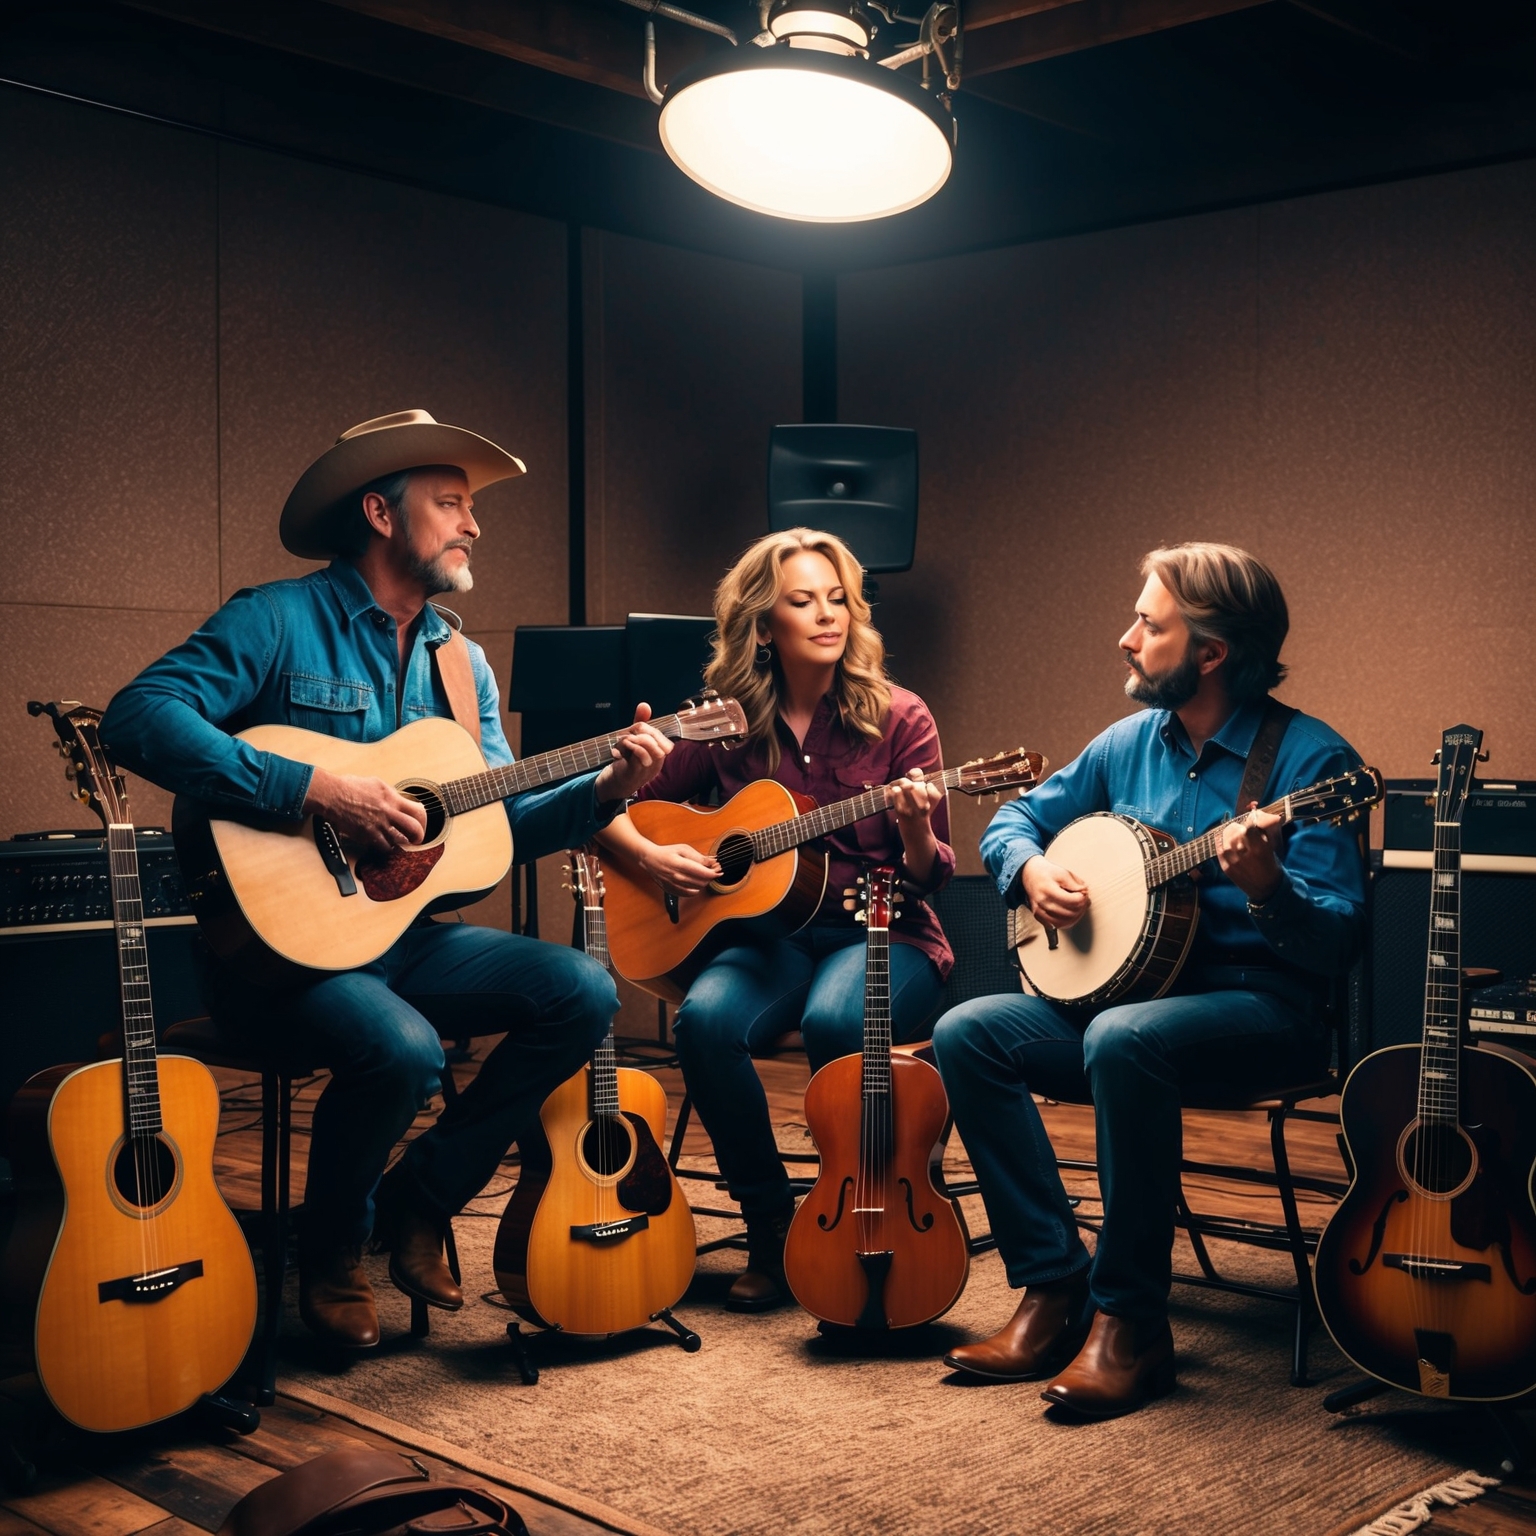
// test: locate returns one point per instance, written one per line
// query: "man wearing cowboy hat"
(354, 650)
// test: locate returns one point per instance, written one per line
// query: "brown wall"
(187, 326)
(1345, 384)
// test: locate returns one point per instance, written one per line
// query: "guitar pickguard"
(390, 876)
(648, 1184)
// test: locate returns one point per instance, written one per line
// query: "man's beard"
(436, 575)
(1172, 690)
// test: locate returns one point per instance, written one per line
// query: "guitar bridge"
(155, 1286)
(1422, 1267)
(602, 1232)
(333, 858)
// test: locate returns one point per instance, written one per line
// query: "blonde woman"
(795, 646)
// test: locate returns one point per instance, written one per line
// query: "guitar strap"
(458, 680)
(1261, 755)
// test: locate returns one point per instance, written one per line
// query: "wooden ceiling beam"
(598, 43)
(1070, 28)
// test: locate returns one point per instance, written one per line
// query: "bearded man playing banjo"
(1281, 912)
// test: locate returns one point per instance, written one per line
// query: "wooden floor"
(180, 1479)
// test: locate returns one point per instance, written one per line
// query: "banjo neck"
(1173, 862)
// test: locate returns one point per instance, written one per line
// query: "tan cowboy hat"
(384, 446)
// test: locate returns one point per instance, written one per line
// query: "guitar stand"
(221, 1410)
(528, 1372)
(1518, 1445)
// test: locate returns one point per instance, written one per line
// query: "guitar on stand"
(145, 1290)
(1426, 1272)
(597, 1237)
(877, 1244)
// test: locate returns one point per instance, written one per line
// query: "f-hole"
(1438, 1161)
(430, 798)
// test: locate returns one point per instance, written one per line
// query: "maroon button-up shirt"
(831, 765)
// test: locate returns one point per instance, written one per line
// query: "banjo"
(1142, 915)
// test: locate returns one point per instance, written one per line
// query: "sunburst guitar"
(145, 1290)
(597, 1237)
(1426, 1272)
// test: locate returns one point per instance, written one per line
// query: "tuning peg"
(850, 906)
(861, 917)
(1482, 756)
(1434, 761)
(850, 890)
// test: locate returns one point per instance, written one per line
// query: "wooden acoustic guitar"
(1426, 1272)
(1142, 913)
(597, 1237)
(875, 1244)
(771, 881)
(275, 898)
(146, 1294)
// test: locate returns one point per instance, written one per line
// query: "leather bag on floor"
(364, 1491)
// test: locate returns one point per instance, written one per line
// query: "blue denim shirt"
(320, 653)
(1143, 766)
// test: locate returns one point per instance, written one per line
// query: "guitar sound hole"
(1438, 1158)
(606, 1145)
(144, 1171)
(428, 798)
(735, 858)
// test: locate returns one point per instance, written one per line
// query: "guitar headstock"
(874, 900)
(97, 782)
(586, 878)
(1460, 753)
(1007, 770)
(711, 718)
(1339, 799)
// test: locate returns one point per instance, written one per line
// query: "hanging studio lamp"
(809, 128)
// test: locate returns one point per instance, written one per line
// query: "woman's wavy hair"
(1224, 593)
(744, 598)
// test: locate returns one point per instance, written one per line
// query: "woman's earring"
(764, 655)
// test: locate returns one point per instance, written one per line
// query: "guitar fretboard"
(477, 789)
(140, 1071)
(1440, 1062)
(604, 1084)
(769, 842)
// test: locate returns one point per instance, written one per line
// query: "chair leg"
(675, 1148)
(1298, 1244)
(1188, 1221)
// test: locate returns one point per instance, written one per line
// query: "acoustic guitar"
(597, 1237)
(1426, 1271)
(146, 1295)
(771, 882)
(876, 1244)
(1142, 912)
(278, 899)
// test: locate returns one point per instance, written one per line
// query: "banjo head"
(1108, 853)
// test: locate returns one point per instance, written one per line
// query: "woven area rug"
(768, 1428)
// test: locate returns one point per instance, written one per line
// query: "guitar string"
(122, 890)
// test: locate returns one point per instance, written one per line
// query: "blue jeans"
(378, 1029)
(1237, 1030)
(746, 998)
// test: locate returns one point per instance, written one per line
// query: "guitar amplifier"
(58, 963)
(1498, 828)
(1498, 929)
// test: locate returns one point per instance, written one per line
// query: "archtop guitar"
(278, 899)
(1426, 1272)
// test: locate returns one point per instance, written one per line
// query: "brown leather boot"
(335, 1298)
(1125, 1363)
(762, 1286)
(415, 1243)
(1043, 1334)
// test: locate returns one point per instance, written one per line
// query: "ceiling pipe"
(687, 18)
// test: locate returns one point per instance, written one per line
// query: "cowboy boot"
(1126, 1362)
(335, 1298)
(1042, 1336)
(414, 1239)
(762, 1286)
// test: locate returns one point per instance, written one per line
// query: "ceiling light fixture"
(806, 126)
